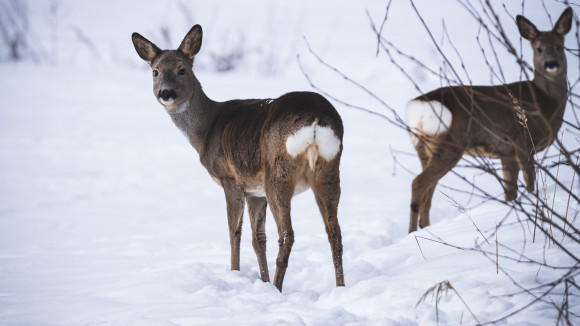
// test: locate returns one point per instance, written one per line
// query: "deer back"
(247, 135)
(486, 117)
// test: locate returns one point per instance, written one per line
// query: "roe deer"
(449, 122)
(259, 151)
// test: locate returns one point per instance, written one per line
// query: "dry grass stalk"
(496, 251)
(568, 203)
(554, 195)
(440, 290)
(465, 212)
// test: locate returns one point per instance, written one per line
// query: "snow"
(108, 218)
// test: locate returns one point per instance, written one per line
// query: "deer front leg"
(525, 159)
(510, 177)
(257, 208)
(235, 210)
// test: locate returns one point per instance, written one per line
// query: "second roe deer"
(261, 152)
(450, 122)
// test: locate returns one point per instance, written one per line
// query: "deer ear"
(527, 29)
(145, 48)
(564, 23)
(191, 42)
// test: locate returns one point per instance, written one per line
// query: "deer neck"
(194, 117)
(555, 87)
(553, 104)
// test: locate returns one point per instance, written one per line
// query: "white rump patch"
(298, 142)
(325, 140)
(429, 118)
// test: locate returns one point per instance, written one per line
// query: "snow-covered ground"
(108, 218)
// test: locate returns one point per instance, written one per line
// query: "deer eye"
(559, 48)
(539, 50)
(181, 72)
(155, 73)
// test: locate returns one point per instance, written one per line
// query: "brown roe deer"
(259, 151)
(450, 122)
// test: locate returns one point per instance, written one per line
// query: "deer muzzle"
(167, 96)
(551, 66)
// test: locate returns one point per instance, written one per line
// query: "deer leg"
(425, 204)
(257, 209)
(235, 210)
(279, 192)
(525, 161)
(425, 207)
(510, 178)
(445, 157)
(285, 241)
(327, 193)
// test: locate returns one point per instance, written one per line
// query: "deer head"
(172, 69)
(549, 57)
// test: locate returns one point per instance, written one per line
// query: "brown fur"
(242, 144)
(485, 123)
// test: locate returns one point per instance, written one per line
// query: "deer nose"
(167, 94)
(551, 66)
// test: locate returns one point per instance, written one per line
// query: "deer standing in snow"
(450, 122)
(259, 151)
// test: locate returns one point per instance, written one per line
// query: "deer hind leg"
(279, 191)
(425, 203)
(326, 190)
(444, 158)
(510, 177)
(425, 207)
(235, 210)
(257, 209)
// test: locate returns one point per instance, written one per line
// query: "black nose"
(551, 64)
(167, 94)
